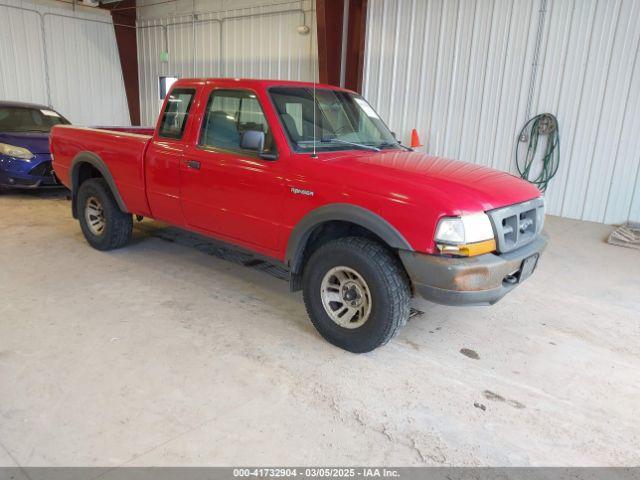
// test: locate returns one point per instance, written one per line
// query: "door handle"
(195, 164)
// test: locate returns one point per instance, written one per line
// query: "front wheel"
(103, 224)
(356, 293)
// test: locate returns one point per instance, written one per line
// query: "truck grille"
(517, 225)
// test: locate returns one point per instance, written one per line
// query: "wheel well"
(323, 233)
(84, 171)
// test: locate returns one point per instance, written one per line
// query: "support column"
(329, 15)
(356, 34)
(123, 15)
(330, 20)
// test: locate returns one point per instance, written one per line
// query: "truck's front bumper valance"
(481, 280)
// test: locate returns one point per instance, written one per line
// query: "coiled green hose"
(543, 125)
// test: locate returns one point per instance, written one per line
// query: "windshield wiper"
(394, 144)
(359, 145)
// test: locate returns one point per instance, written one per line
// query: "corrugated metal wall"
(84, 75)
(460, 72)
(257, 42)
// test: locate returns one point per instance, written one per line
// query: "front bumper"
(481, 280)
(34, 173)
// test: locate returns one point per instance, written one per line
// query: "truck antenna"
(314, 154)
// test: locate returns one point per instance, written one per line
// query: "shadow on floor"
(212, 247)
(220, 250)
(49, 193)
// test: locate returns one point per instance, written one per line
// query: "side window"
(229, 114)
(174, 117)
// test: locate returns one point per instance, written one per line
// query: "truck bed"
(122, 151)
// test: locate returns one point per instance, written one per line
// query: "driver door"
(225, 189)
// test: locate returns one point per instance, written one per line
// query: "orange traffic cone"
(415, 139)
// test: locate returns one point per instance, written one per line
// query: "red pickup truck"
(311, 177)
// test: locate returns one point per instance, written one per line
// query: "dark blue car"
(25, 161)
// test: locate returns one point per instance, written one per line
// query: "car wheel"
(356, 293)
(103, 224)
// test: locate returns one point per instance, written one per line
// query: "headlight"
(16, 152)
(451, 231)
(467, 235)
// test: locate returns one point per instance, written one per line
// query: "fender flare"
(95, 161)
(339, 212)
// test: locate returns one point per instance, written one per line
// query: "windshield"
(27, 119)
(342, 120)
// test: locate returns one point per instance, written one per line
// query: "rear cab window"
(176, 113)
(230, 113)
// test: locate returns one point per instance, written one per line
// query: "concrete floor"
(163, 354)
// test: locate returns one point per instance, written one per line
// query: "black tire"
(386, 280)
(118, 225)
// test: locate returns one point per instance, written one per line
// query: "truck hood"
(35, 142)
(458, 187)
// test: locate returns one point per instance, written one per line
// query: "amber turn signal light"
(469, 249)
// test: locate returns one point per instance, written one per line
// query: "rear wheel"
(103, 224)
(356, 293)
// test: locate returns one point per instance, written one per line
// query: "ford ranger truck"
(311, 178)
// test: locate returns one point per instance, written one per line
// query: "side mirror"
(254, 140)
